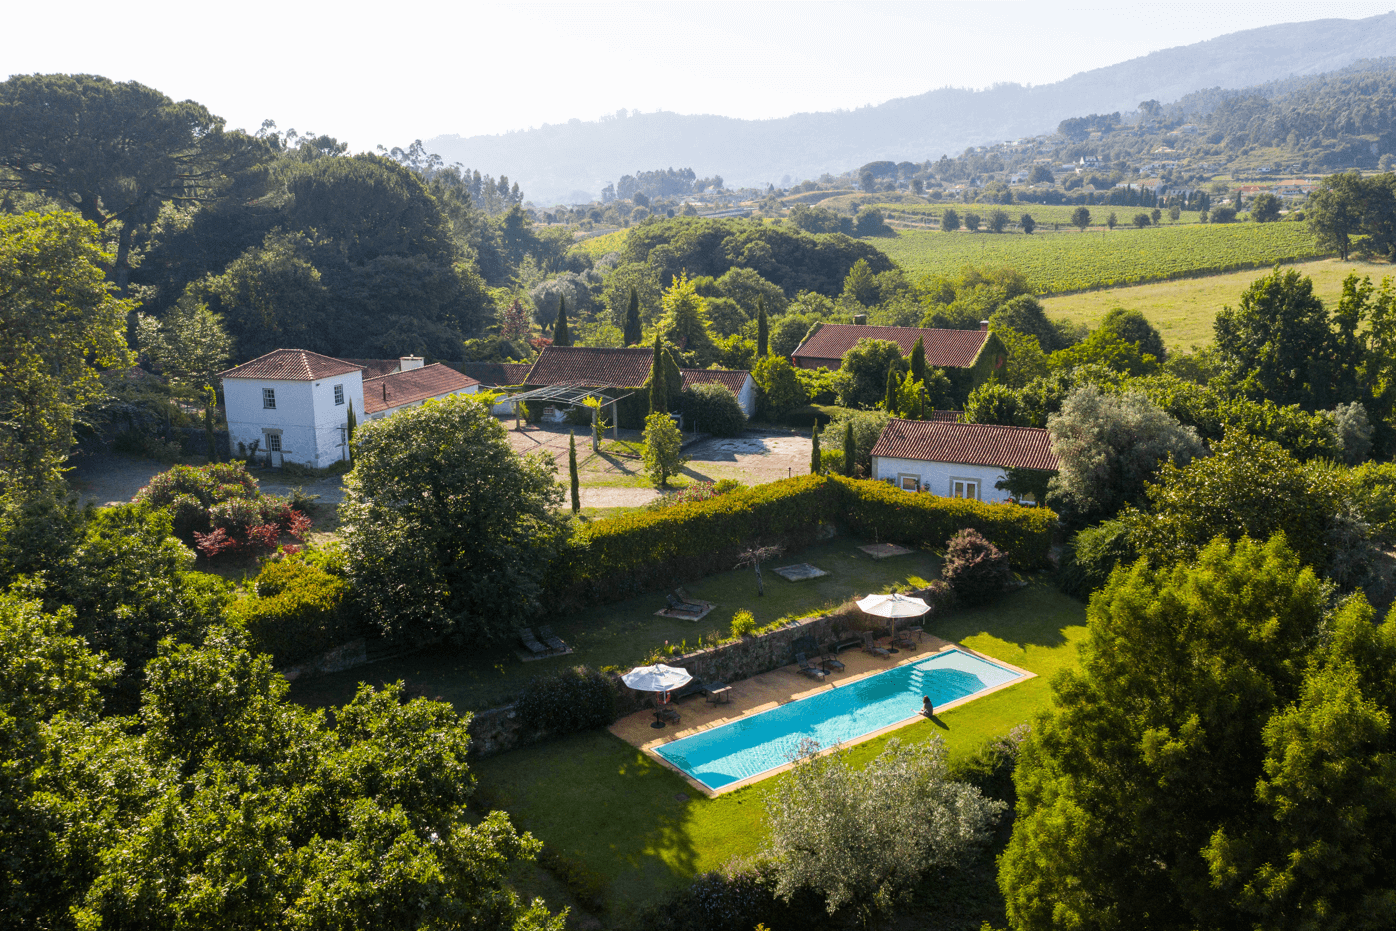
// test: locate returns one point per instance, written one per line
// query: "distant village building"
(292, 405)
(958, 460)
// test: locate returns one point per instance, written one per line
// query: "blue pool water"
(752, 745)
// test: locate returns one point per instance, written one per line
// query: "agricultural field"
(1058, 263)
(1184, 310)
(1044, 214)
(598, 246)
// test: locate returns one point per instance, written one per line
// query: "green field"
(1184, 310)
(1044, 214)
(603, 803)
(1057, 263)
(598, 246)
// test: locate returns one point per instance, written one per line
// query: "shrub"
(807, 415)
(989, 768)
(713, 409)
(587, 886)
(940, 595)
(295, 610)
(1092, 555)
(576, 699)
(743, 623)
(974, 567)
(218, 508)
(698, 491)
(831, 461)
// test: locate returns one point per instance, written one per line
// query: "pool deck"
(781, 686)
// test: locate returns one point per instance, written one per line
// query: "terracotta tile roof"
(967, 444)
(944, 348)
(291, 365)
(399, 388)
(376, 368)
(591, 367)
(734, 379)
(493, 374)
(950, 416)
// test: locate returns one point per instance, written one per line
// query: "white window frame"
(273, 438)
(268, 399)
(966, 486)
(338, 395)
(904, 477)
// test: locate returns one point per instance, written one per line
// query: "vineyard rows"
(1057, 263)
(1043, 214)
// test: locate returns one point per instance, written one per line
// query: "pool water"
(752, 745)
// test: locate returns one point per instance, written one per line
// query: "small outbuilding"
(958, 460)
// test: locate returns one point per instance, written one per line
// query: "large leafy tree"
(685, 320)
(1204, 759)
(866, 367)
(447, 530)
(115, 152)
(1279, 334)
(59, 324)
(1334, 212)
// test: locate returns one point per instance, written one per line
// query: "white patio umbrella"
(893, 606)
(656, 678)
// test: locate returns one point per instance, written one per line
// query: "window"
(960, 488)
(339, 394)
(908, 482)
(273, 442)
(269, 399)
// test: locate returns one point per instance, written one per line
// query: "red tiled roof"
(734, 379)
(291, 365)
(967, 444)
(376, 368)
(591, 367)
(494, 374)
(399, 388)
(944, 348)
(950, 416)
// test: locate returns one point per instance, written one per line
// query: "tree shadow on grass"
(1034, 616)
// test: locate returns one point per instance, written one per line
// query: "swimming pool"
(752, 745)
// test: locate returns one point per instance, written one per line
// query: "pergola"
(573, 395)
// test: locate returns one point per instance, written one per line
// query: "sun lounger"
(554, 642)
(844, 642)
(676, 604)
(901, 638)
(831, 663)
(691, 687)
(870, 646)
(529, 641)
(809, 669)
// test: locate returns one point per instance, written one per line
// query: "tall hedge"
(618, 557)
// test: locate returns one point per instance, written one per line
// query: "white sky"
(388, 73)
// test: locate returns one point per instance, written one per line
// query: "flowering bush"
(974, 567)
(219, 509)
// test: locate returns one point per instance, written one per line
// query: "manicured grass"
(625, 633)
(603, 803)
(1184, 310)
(1056, 263)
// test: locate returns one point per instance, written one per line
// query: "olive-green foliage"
(294, 610)
(789, 330)
(1191, 736)
(866, 366)
(779, 385)
(446, 529)
(663, 448)
(1279, 334)
(576, 699)
(793, 260)
(867, 426)
(1092, 555)
(225, 805)
(1025, 314)
(714, 409)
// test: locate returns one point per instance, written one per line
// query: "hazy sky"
(392, 72)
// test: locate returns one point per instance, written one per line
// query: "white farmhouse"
(958, 460)
(294, 404)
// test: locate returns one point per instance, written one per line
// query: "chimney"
(860, 319)
(983, 324)
(408, 363)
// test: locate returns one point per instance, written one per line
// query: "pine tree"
(889, 403)
(632, 320)
(659, 394)
(848, 449)
(572, 471)
(762, 328)
(349, 430)
(918, 360)
(815, 465)
(561, 337)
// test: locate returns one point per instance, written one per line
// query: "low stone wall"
(337, 659)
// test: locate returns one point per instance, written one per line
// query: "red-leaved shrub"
(974, 567)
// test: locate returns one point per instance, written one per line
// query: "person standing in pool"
(928, 709)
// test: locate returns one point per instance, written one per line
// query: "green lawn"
(605, 804)
(625, 633)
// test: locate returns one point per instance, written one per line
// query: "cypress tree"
(560, 335)
(918, 361)
(762, 328)
(349, 430)
(815, 465)
(659, 394)
(632, 320)
(572, 470)
(848, 450)
(889, 403)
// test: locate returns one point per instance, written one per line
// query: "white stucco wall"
(309, 420)
(747, 397)
(939, 476)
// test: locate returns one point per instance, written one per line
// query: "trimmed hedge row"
(618, 557)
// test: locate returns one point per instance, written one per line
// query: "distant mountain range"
(574, 161)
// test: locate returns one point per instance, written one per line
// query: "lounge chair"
(691, 687)
(554, 642)
(900, 638)
(683, 607)
(831, 663)
(530, 642)
(844, 641)
(809, 669)
(870, 646)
